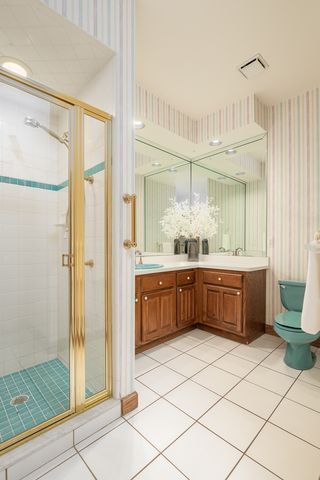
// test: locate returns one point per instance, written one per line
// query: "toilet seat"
(289, 320)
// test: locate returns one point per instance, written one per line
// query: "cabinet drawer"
(185, 278)
(157, 282)
(224, 279)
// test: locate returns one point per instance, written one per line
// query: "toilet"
(288, 326)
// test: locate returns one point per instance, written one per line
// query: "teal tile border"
(48, 186)
(28, 183)
(96, 169)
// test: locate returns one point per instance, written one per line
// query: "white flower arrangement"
(200, 219)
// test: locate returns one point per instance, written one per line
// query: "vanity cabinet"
(233, 303)
(228, 303)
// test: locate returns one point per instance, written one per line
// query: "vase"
(176, 246)
(205, 246)
(193, 250)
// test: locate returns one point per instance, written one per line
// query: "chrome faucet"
(237, 251)
(139, 254)
(222, 249)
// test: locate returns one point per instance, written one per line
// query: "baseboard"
(269, 329)
(129, 403)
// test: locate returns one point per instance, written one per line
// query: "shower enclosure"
(55, 251)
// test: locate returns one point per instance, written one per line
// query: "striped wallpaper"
(151, 107)
(236, 115)
(233, 116)
(96, 17)
(293, 189)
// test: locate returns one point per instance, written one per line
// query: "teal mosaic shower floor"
(47, 386)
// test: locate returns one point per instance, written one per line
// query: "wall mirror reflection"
(234, 177)
(225, 190)
(160, 176)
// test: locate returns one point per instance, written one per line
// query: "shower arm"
(53, 134)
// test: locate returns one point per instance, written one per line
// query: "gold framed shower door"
(76, 264)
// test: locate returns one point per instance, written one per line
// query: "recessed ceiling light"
(156, 164)
(172, 170)
(138, 125)
(215, 142)
(239, 174)
(231, 151)
(15, 66)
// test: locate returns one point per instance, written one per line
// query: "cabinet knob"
(188, 278)
(160, 283)
(146, 298)
(180, 290)
(136, 300)
(219, 278)
(238, 293)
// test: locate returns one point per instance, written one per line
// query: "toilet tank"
(292, 294)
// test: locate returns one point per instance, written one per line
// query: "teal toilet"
(288, 326)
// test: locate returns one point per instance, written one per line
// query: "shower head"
(31, 122)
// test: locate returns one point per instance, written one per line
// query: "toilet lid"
(289, 319)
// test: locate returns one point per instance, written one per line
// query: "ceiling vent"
(254, 67)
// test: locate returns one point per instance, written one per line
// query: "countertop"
(217, 262)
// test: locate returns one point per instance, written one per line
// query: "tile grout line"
(191, 379)
(197, 420)
(96, 478)
(50, 469)
(194, 420)
(263, 426)
(282, 396)
(158, 456)
(80, 449)
(223, 397)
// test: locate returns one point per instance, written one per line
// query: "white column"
(123, 182)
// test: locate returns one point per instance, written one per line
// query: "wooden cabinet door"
(222, 308)
(158, 314)
(211, 305)
(186, 305)
(231, 310)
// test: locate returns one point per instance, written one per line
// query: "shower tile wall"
(29, 248)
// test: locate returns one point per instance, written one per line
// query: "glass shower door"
(97, 240)
(34, 285)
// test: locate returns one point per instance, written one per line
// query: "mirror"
(232, 178)
(235, 178)
(229, 196)
(159, 176)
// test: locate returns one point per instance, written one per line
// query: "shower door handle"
(89, 263)
(131, 199)
(66, 260)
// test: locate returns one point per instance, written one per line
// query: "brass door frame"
(77, 109)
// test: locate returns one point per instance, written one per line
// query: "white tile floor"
(208, 409)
